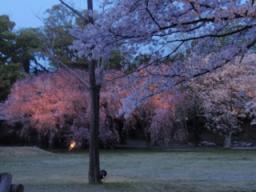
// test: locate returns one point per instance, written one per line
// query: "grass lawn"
(183, 171)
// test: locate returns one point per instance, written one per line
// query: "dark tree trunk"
(118, 124)
(94, 165)
(94, 162)
(26, 66)
(94, 157)
(228, 141)
(51, 140)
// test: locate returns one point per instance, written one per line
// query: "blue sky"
(27, 13)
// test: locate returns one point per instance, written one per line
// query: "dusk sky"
(27, 13)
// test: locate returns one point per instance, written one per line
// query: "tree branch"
(76, 12)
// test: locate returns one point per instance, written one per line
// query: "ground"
(176, 171)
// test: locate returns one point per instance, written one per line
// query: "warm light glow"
(72, 145)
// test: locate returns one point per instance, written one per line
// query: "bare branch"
(151, 15)
(217, 35)
(58, 62)
(76, 12)
(149, 64)
(71, 71)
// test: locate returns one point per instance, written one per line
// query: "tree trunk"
(94, 157)
(5, 182)
(51, 140)
(94, 162)
(228, 140)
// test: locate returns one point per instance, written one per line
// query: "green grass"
(176, 171)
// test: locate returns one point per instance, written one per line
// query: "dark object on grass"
(103, 174)
(6, 184)
(17, 188)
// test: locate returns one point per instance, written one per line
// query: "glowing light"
(72, 145)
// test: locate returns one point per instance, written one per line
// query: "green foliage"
(17, 50)
(6, 24)
(18, 47)
(28, 43)
(7, 39)
(8, 75)
(9, 72)
(57, 38)
(115, 60)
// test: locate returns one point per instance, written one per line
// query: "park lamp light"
(72, 145)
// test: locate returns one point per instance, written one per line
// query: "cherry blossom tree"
(226, 95)
(156, 119)
(42, 106)
(222, 114)
(162, 29)
(163, 35)
(41, 103)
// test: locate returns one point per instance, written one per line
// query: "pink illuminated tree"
(57, 104)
